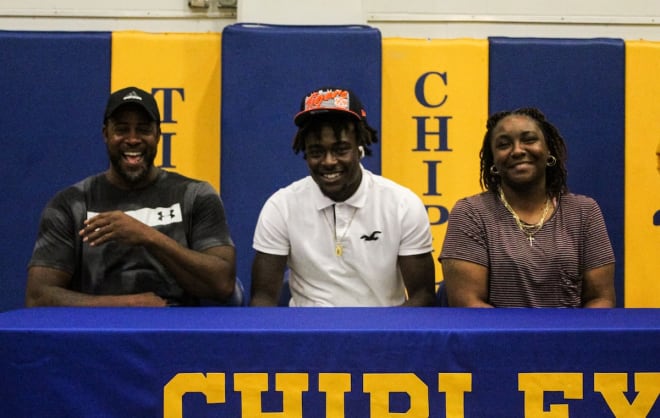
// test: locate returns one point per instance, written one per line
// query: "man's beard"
(133, 176)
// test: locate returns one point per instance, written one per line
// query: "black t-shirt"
(187, 210)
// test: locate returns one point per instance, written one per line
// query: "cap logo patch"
(132, 96)
(328, 99)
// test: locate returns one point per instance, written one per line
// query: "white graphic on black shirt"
(153, 216)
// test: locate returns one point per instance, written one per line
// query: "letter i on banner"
(182, 70)
(434, 112)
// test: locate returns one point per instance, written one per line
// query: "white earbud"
(361, 149)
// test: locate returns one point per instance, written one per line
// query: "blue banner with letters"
(320, 362)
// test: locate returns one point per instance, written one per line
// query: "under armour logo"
(160, 215)
(371, 237)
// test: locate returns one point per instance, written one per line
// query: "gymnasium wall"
(228, 99)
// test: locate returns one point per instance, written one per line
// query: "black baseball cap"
(330, 99)
(132, 95)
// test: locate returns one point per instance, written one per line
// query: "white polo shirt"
(380, 222)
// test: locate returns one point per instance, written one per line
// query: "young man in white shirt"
(347, 236)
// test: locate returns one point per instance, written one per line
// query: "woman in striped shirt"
(526, 241)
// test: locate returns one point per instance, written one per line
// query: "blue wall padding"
(580, 86)
(54, 87)
(266, 70)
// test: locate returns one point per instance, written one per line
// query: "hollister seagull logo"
(371, 237)
(132, 96)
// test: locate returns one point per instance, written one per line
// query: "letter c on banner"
(210, 384)
(420, 88)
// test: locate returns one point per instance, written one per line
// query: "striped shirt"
(548, 273)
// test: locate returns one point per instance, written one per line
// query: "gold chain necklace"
(339, 248)
(528, 230)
